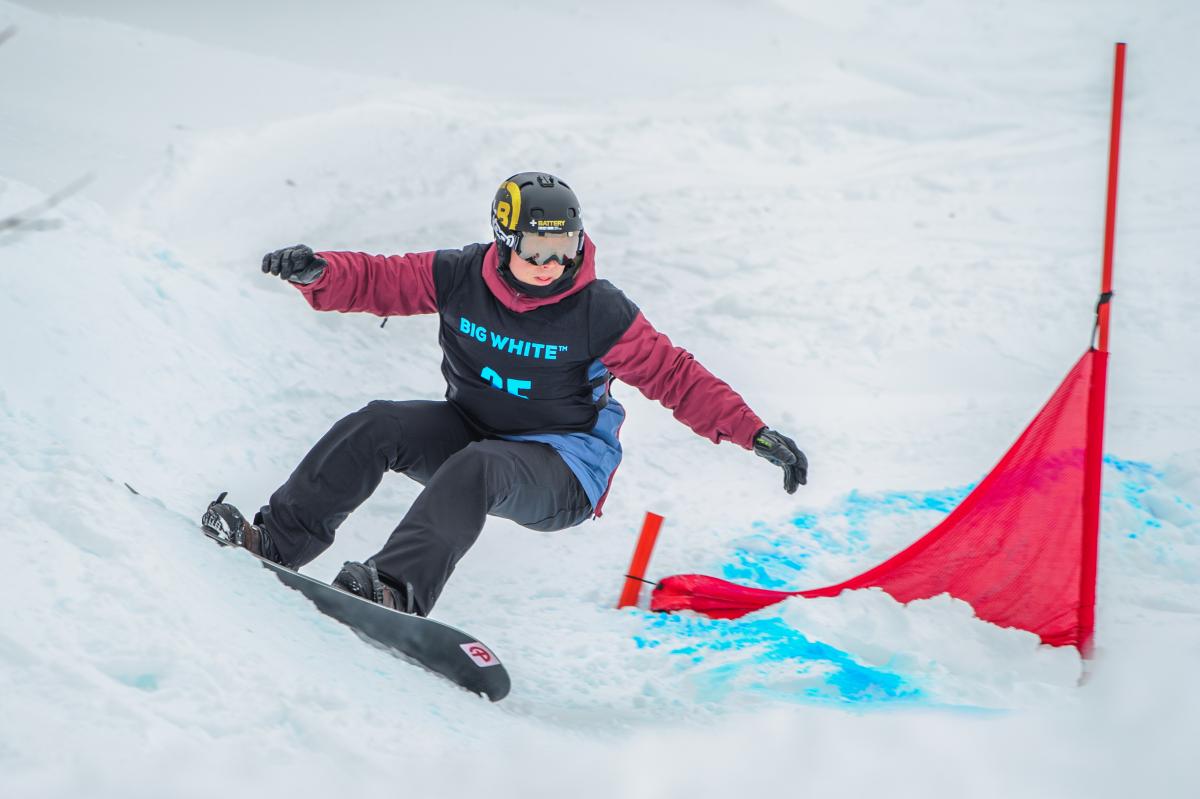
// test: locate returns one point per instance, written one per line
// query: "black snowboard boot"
(227, 523)
(363, 580)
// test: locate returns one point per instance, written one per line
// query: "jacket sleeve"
(384, 285)
(645, 358)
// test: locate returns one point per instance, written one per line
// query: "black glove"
(296, 264)
(783, 452)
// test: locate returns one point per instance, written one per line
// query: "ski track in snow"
(883, 232)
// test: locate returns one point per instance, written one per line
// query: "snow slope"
(880, 223)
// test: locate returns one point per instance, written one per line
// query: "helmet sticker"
(507, 213)
(509, 239)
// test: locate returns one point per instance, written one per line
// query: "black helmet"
(534, 202)
(532, 209)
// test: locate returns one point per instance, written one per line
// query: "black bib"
(522, 373)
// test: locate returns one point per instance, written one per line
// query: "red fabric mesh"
(1017, 548)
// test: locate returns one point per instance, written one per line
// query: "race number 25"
(512, 385)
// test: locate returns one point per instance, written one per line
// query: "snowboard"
(437, 647)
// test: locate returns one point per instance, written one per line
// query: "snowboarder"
(531, 342)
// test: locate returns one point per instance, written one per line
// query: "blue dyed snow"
(770, 558)
(1140, 468)
(778, 659)
(771, 658)
(142, 682)
(763, 655)
(168, 259)
(1141, 532)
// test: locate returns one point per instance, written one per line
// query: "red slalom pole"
(1094, 456)
(1110, 216)
(641, 559)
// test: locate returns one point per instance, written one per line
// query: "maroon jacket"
(403, 285)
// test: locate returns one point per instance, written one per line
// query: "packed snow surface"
(880, 222)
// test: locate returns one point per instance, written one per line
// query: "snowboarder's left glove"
(783, 452)
(295, 264)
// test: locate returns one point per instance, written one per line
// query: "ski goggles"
(542, 248)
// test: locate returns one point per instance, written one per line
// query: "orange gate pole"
(641, 559)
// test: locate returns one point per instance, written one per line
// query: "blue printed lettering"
(493, 377)
(515, 387)
(469, 328)
(513, 346)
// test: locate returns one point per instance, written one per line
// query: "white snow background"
(879, 221)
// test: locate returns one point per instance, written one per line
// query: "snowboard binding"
(362, 579)
(226, 524)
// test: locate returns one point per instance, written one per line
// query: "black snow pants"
(466, 477)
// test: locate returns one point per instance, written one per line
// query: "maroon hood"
(522, 302)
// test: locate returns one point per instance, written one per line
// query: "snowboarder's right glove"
(296, 264)
(783, 452)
